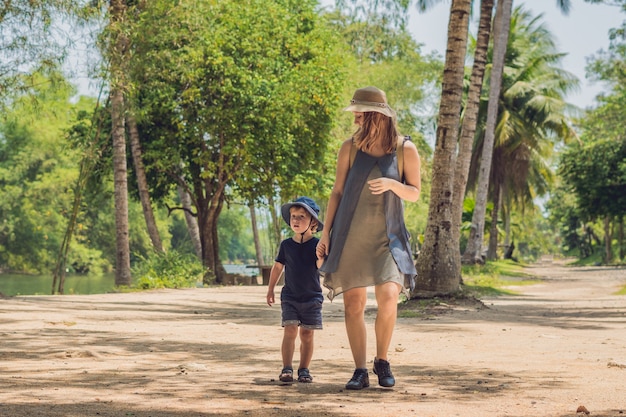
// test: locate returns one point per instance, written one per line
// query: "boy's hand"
(322, 247)
(270, 298)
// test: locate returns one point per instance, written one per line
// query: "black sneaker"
(383, 370)
(360, 379)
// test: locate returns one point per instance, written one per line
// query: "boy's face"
(299, 219)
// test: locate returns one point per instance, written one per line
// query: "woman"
(365, 240)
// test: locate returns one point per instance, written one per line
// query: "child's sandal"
(286, 375)
(304, 375)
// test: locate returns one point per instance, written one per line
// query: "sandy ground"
(554, 348)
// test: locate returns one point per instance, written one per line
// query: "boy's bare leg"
(306, 347)
(289, 344)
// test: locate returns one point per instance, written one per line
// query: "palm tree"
(438, 266)
(142, 183)
(459, 170)
(470, 116)
(117, 57)
(501, 34)
(474, 248)
(532, 119)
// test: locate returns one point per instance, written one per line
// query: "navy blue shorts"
(307, 315)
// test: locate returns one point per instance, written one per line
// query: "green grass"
(490, 280)
(168, 270)
(622, 291)
(495, 278)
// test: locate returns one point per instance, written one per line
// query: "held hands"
(380, 185)
(322, 247)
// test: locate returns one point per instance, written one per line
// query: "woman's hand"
(382, 184)
(322, 246)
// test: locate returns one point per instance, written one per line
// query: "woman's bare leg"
(387, 300)
(354, 301)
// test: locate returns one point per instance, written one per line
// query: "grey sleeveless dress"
(369, 243)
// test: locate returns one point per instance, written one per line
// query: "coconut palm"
(501, 31)
(532, 119)
(439, 263)
(470, 115)
(501, 34)
(118, 57)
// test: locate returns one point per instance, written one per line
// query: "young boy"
(301, 297)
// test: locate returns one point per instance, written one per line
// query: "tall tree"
(142, 183)
(37, 170)
(533, 118)
(190, 218)
(438, 265)
(239, 97)
(473, 251)
(117, 54)
(255, 235)
(470, 116)
(596, 174)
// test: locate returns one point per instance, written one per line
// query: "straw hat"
(370, 99)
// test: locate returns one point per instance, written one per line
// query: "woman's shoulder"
(348, 142)
(405, 142)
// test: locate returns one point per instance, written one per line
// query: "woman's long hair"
(376, 128)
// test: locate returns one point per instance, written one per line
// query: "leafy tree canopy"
(239, 95)
(596, 173)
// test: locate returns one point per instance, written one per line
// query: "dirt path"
(215, 352)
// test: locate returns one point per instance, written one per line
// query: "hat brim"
(363, 108)
(286, 215)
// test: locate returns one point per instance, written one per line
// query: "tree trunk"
(501, 35)
(439, 266)
(608, 251)
(208, 214)
(470, 116)
(492, 250)
(220, 272)
(257, 242)
(621, 239)
(119, 44)
(190, 219)
(142, 183)
(506, 218)
(275, 224)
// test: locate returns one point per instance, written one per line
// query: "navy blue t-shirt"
(302, 281)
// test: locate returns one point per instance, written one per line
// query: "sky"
(580, 34)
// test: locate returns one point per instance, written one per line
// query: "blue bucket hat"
(306, 203)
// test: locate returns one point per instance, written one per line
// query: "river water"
(19, 284)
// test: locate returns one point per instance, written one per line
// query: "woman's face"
(358, 118)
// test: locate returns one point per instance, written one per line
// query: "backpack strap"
(399, 153)
(353, 150)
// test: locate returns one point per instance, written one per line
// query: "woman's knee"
(354, 301)
(387, 293)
